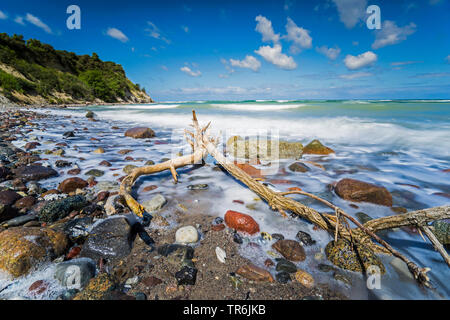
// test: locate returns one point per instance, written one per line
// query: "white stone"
(221, 254)
(186, 235)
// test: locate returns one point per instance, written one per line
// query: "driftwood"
(202, 145)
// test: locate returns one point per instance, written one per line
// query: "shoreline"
(157, 272)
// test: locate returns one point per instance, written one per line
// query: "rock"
(75, 274)
(140, 133)
(22, 248)
(58, 152)
(237, 238)
(326, 268)
(254, 273)
(149, 163)
(316, 147)
(186, 234)
(286, 266)
(362, 217)
(129, 168)
(155, 204)
(98, 288)
(344, 255)
(34, 173)
(177, 254)
(72, 184)
(99, 151)
(95, 173)
(105, 163)
(74, 252)
(304, 278)
(290, 249)
(283, 277)
(31, 145)
(441, 230)
(198, 187)
(305, 238)
(241, 222)
(62, 163)
(69, 134)
(102, 196)
(114, 205)
(89, 115)
(359, 191)
(339, 276)
(151, 281)
(298, 167)
(25, 202)
(124, 151)
(186, 276)
(217, 227)
(149, 188)
(74, 172)
(109, 238)
(277, 236)
(38, 288)
(266, 150)
(18, 221)
(9, 197)
(78, 229)
(4, 173)
(269, 263)
(59, 209)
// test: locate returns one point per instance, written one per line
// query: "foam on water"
(258, 106)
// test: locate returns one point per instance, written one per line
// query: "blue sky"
(242, 50)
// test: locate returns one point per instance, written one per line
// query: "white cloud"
(391, 34)
(117, 34)
(300, 36)
(185, 29)
(223, 90)
(330, 53)
(355, 75)
(37, 22)
(154, 32)
(190, 72)
(404, 63)
(3, 15)
(264, 26)
(19, 20)
(360, 61)
(351, 11)
(250, 62)
(274, 56)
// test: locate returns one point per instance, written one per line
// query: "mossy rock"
(316, 147)
(98, 288)
(344, 255)
(22, 248)
(441, 230)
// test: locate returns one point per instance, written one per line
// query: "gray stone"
(75, 274)
(154, 204)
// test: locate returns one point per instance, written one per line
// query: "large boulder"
(359, 191)
(109, 238)
(59, 209)
(34, 173)
(264, 149)
(316, 147)
(22, 248)
(140, 133)
(346, 256)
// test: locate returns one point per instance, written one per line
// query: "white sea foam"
(258, 106)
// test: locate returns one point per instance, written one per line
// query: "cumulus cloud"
(330, 53)
(360, 61)
(351, 11)
(391, 34)
(298, 35)
(250, 62)
(19, 20)
(117, 34)
(37, 22)
(355, 75)
(274, 56)
(154, 32)
(190, 72)
(3, 15)
(264, 26)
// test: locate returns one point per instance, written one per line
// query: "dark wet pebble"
(186, 276)
(283, 277)
(237, 238)
(277, 236)
(305, 238)
(198, 187)
(285, 266)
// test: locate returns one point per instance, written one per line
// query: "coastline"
(156, 274)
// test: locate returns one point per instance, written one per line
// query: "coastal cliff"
(34, 73)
